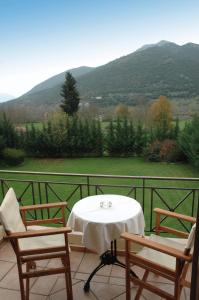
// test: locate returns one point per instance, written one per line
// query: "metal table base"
(109, 257)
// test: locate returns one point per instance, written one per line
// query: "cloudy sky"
(41, 38)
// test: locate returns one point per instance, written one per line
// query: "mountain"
(45, 95)
(57, 79)
(164, 68)
(5, 97)
(159, 44)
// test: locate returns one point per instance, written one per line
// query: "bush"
(167, 150)
(13, 156)
(170, 151)
(189, 141)
(153, 152)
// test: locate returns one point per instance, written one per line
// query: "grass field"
(109, 166)
(106, 165)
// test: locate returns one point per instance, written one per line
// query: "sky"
(42, 38)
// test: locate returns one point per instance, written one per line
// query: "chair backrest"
(191, 238)
(10, 216)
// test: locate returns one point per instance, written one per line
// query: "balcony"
(175, 194)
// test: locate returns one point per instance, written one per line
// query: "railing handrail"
(100, 175)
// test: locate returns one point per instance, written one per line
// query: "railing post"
(33, 199)
(151, 213)
(2, 188)
(88, 185)
(47, 201)
(143, 194)
(80, 188)
(193, 203)
(40, 198)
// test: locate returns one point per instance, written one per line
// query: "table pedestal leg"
(107, 258)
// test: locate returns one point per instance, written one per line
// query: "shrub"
(167, 150)
(2, 145)
(13, 156)
(170, 151)
(189, 141)
(153, 152)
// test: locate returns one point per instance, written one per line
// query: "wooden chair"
(161, 256)
(32, 245)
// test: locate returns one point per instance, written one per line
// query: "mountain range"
(158, 69)
(5, 97)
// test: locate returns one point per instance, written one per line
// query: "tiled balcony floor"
(106, 285)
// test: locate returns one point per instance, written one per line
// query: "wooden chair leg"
(21, 282)
(177, 283)
(28, 267)
(140, 289)
(68, 279)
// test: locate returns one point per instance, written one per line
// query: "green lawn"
(115, 166)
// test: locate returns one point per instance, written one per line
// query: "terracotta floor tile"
(89, 262)
(37, 297)
(7, 253)
(5, 267)
(117, 271)
(133, 293)
(9, 294)
(96, 278)
(61, 284)
(81, 276)
(43, 285)
(11, 279)
(117, 280)
(75, 260)
(78, 294)
(106, 291)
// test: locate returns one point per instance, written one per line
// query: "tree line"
(75, 137)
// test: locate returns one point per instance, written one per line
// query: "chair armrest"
(155, 246)
(159, 227)
(43, 206)
(61, 205)
(174, 215)
(35, 233)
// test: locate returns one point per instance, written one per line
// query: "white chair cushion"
(159, 257)
(42, 242)
(191, 237)
(10, 216)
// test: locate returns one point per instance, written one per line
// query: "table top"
(122, 208)
(101, 225)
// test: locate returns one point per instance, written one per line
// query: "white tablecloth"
(102, 225)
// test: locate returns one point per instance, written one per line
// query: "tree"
(122, 110)
(69, 92)
(189, 141)
(161, 115)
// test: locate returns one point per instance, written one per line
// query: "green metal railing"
(171, 193)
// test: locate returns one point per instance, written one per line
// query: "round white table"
(102, 219)
(101, 225)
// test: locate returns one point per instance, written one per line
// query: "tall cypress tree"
(69, 92)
